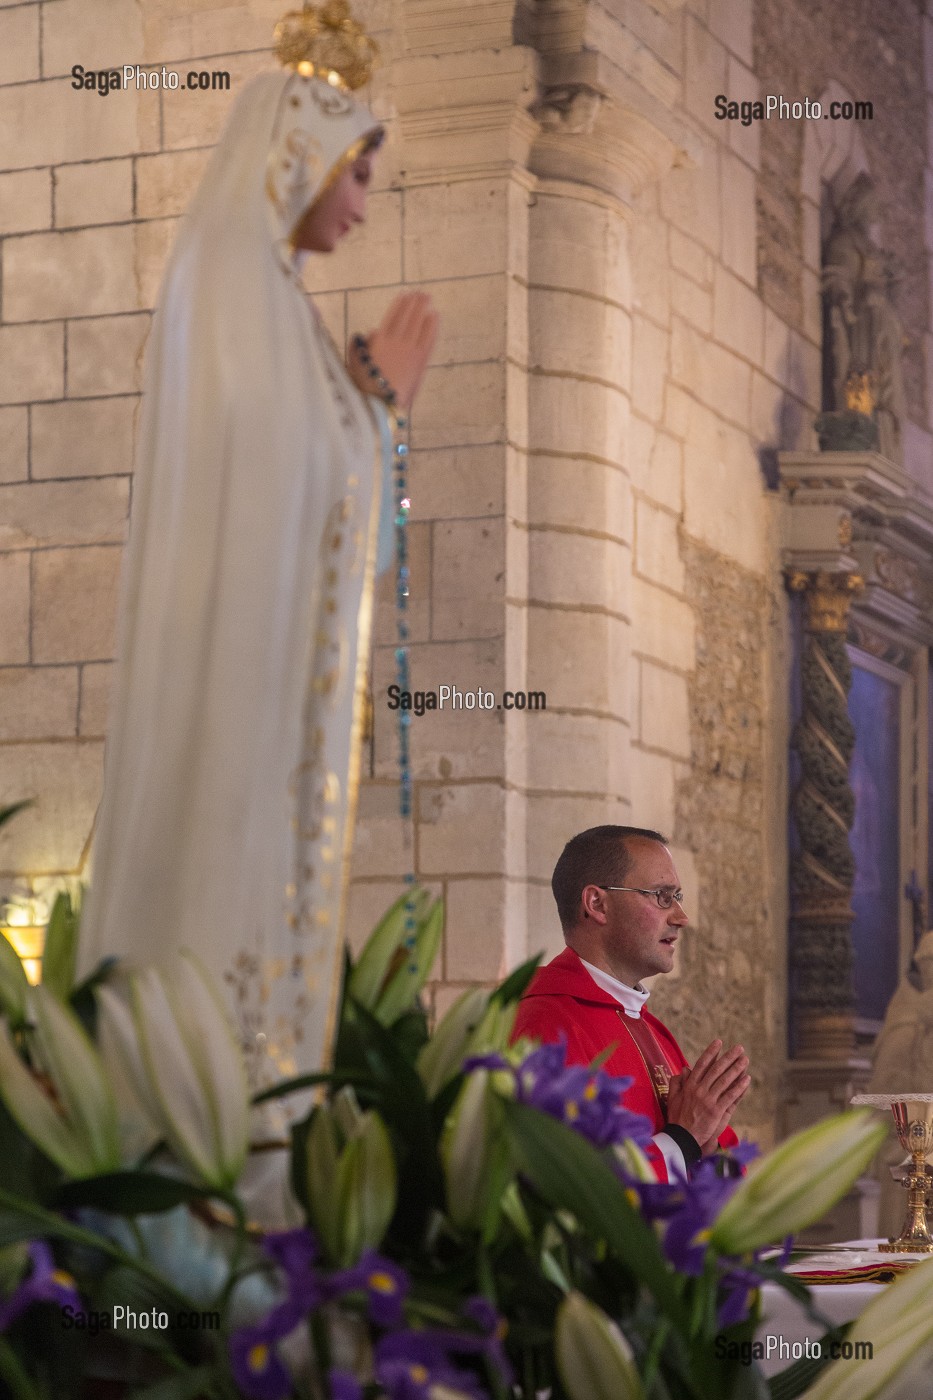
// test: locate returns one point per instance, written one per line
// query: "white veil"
(232, 759)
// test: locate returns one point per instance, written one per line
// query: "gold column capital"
(828, 596)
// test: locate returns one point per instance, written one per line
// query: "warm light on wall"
(24, 922)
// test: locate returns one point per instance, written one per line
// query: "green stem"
(529, 1383)
(16, 1377)
(239, 1246)
(484, 1273)
(55, 1225)
(653, 1359)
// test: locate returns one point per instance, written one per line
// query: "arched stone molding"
(833, 155)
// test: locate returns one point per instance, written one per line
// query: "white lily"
(351, 1178)
(798, 1182)
(440, 1059)
(594, 1359)
(186, 1068)
(75, 1125)
(898, 1325)
(138, 1110)
(474, 1153)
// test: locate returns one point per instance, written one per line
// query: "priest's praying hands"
(398, 350)
(702, 1099)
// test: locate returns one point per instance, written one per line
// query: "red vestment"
(564, 1000)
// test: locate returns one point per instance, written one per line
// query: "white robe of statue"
(232, 758)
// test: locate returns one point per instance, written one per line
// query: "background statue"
(903, 1062)
(263, 466)
(863, 332)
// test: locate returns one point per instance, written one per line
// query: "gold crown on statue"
(325, 41)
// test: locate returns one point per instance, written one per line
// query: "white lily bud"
(797, 1182)
(366, 1190)
(594, 1359)
(322, 1153)
(475, 1154)
(441, 1058)
(898, 1324)
(77, 1128)
(194, 1070)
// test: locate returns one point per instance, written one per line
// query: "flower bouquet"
(443, 1215)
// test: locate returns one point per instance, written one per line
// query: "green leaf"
(369, 974)
(571, 1174)
(388, 1082)
(335, 1078)
(14, 986)
(6, 813)
(14, 1373)
(83, 1000)
(61, 947)
(515, 984)
(123, 1287)
(130, 1193)
(189, 1385)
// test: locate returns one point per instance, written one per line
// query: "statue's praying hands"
(400, 348)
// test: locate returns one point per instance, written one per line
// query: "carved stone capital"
(828, 597)
(860, 513)
(609, 124)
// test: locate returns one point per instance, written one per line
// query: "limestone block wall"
(706, 384)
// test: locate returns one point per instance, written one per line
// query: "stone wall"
(731, 962)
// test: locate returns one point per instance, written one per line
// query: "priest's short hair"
(598, 856)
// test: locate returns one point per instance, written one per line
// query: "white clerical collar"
(631, 998)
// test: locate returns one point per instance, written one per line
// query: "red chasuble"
(564, 1000)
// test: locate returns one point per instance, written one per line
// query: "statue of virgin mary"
(262, 474)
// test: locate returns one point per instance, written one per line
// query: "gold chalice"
(913, 1120)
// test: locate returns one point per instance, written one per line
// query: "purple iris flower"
(257, 1368)
(343, 1386)
(587, 1100)
(386, 1287)
(688, 1229)
(256, 1365)
(294, 1251)
(494, 1327)
(45, 1284)
(409, 1363)
(744, 1152)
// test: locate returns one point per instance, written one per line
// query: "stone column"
(822, 871)
(607, 131)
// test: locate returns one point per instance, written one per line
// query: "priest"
(621, 909)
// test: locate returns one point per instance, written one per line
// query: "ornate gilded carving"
(899, 575)
(827, 597)
(876, 643)
(823, 806)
